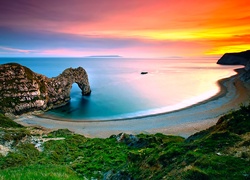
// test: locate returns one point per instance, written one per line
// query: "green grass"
(88, 157)
(60, 133)
(39, 172)
(218, 167)
(204, 155)
(13, 134)
(6, 122)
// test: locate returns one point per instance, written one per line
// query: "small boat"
(144, 72)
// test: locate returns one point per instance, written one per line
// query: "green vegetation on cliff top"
(6, 122)
(220, 152)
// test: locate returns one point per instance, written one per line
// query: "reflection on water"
(119, 90)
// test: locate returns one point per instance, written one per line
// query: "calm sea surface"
(120, 91)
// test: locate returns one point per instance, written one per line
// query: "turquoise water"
(120, 91)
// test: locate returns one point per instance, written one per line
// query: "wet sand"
(183, 122)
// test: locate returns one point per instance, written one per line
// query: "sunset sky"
(129, 28)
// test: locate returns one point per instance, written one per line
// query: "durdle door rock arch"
(78, 76)
(22, 90)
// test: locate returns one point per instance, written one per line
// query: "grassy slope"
(220, 152)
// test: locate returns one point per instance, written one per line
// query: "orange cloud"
(167, 27)
(213, 22)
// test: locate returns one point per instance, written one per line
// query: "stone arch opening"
(85, 88)
(75, 90)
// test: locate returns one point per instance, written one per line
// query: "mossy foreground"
(220, 152)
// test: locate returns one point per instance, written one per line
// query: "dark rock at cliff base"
(23, 90)
(239, 58)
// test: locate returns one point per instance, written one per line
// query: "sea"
(120, 91)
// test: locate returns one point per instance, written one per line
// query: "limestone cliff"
(240, 58)
(23, 90)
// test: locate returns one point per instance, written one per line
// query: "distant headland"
(103, 56)
(238, 58)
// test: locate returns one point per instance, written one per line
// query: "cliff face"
(23, 90)
(240, 58)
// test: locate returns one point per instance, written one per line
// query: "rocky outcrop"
(23, 90)
(240, 58)
(120, 175)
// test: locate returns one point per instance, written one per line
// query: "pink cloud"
(16, 50)
(98, 26)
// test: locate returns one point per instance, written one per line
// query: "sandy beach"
(184, 122)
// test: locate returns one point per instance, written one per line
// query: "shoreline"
(220, 94)
(183, 122)
(223, 90)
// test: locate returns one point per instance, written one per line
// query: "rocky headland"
(238, 58)
(23, 90)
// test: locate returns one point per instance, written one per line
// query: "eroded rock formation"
(23, 90)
